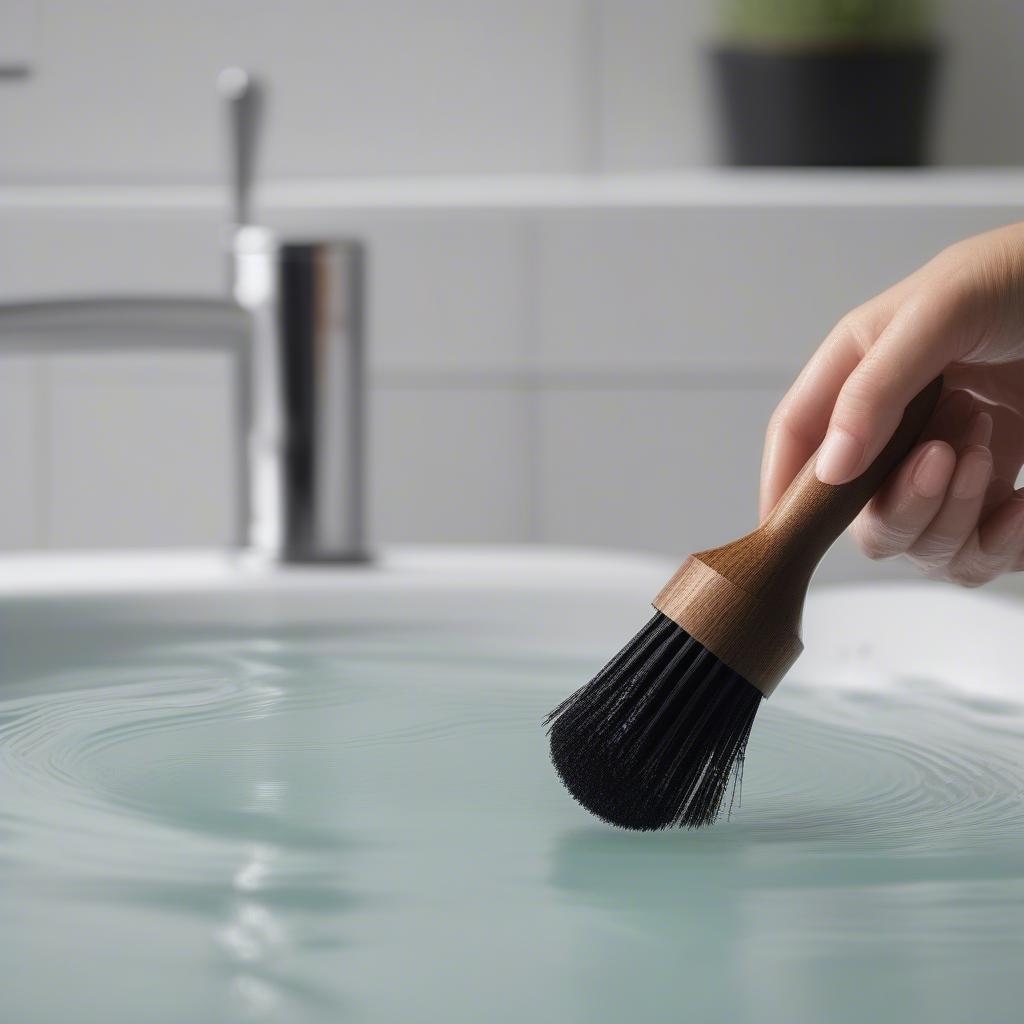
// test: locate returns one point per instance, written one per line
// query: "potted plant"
(826, 82)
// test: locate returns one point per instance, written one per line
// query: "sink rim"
(142, 572)
(859, 636)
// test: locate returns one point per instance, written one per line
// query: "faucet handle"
(243, 99)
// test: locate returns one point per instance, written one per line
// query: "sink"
(234, 793)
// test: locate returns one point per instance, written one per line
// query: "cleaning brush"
(654, 738)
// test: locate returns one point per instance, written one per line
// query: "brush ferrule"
(756, 638)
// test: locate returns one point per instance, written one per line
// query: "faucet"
(294, 317)
(307, 377)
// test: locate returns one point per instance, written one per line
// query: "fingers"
(948, 507)
(979, 432)
(941, 542)
(901, 512)
(923, 337)
(1007, 444)
(801, 418)
(998, 491)
(996, 547)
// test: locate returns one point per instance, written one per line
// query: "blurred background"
(579, 315)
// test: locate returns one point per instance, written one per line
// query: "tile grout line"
(580, 380)
(532, 344)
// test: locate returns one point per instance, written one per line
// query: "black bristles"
(653, 739)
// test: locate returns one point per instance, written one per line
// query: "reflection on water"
(302, 826)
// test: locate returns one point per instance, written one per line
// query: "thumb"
(913, 350)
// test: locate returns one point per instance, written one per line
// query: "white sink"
(855, 635)
(309, 795)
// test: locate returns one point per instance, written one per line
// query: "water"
(313, 825)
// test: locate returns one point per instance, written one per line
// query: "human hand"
(951, 505)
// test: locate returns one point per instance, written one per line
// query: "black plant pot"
(865, 107)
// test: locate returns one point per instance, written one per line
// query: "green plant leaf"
(827, 22)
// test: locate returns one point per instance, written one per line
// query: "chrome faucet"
(294, 317)
(306, 382)
(306, 433)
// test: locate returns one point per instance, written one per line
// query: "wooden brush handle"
(810, 515)
(744, 601)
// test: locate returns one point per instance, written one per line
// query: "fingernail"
(972, 473)
(839, 458)
(931, 474)
(980, 430)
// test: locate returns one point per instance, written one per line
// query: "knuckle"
(879, 539)
(855, 326)
(860, 400)
(970, 578)
(972, 572)
(935, 568)
(932, 548)
(930, 570)
(875, 552)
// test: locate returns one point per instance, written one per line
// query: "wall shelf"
(710, 188)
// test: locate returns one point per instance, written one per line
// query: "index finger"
(800, 420)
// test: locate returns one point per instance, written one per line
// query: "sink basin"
(316, 795)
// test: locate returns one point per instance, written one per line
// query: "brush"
(654, 738)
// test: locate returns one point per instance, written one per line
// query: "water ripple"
(292, 815)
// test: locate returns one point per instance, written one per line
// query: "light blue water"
(314, 825)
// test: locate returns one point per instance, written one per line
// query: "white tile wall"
(20, 465)
(141, 450)
(126, 90)
(533, 373)
(982, 83)
(17, 36)
(122, 91)
(655, 469)
(660, 469)
(447, 293)
(656, 107)
(600, 376)
(732, 289)
(80, 252)
(450, 464)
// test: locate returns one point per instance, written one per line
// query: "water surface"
(362, 825)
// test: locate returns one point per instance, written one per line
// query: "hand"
(951, 505)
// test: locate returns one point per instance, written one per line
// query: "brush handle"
(744, 601)
(810, 516)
